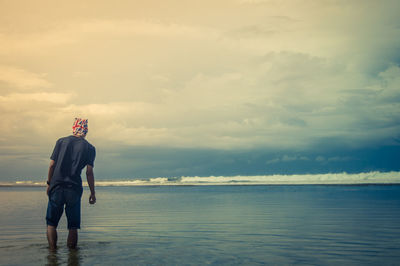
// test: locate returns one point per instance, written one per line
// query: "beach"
(217, 225)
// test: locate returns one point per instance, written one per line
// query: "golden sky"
(225, 74)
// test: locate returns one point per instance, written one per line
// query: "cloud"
(340, 158)
(284, 100)
(288, 158)
(136, 27)
(23, 79)
(15, 99)
(274, 75)
(82, 31)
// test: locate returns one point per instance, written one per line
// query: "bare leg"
(72, 238)
(52, 237)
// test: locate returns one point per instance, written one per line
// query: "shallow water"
(196, 225)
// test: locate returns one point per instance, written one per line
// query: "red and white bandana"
(80, 127)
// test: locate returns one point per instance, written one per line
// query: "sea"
(208, 224)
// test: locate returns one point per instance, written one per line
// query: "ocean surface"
(217, 225)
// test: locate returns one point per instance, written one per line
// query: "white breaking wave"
(311, 179)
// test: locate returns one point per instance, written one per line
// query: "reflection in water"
(55, 257)
(73, 257)
(52, 258)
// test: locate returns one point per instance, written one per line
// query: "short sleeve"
(91, 155)
(56, 151)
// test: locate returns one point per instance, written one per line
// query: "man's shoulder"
(90, 145)
(74, 139)
(91, 152)
(62, 139)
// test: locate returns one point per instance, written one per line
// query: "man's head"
(80, 127)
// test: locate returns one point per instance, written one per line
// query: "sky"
(200, 88)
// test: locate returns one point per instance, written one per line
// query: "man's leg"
(52, 237)
(53, 215)
(72, 238)
(73, 212)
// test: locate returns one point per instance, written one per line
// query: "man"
(64, 185)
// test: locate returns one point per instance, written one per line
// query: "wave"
(304, 179)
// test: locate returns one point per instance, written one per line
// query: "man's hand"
(92, 199)
(47, 190)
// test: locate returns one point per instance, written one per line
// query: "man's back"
(71, 154)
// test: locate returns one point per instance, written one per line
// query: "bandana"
(80, 127)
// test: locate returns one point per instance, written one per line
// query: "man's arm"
(50, 174)
(90, 180)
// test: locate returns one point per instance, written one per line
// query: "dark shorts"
(71, 198)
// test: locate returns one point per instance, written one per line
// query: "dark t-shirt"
(71, 154)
